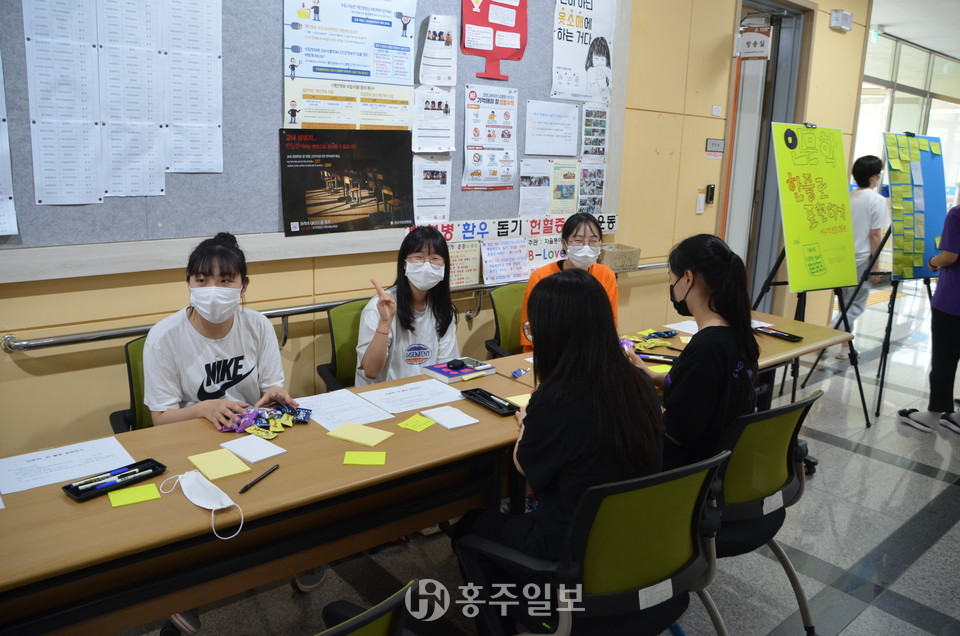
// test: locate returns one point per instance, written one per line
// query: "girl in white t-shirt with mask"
(214, 358)
(412, 324)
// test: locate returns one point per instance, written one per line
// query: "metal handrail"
(11, 343)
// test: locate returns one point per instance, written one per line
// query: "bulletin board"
(918, 202)
(815, 207)
(245, 198)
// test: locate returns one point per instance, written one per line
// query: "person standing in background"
(868, 211)
(944, 334)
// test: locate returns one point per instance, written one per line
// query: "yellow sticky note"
(645, 332)
(685, 339)
(918, 226)
(908, 221)
(520, 400)
(902, 191)
(218, 463)
(661, 368)
(897, 213)
(890, 139)
(914, 143)
(896, 202)
(907, 237)
(358, 434)
(908, 207)
(914, 153)
(935, 147)
(897, 243)
(918, 260)
(364, 458)
(908, 272)
(133, 494)
(904, 154)
(894, 163)
(898, 270)
(416, 423)
(897, 176)
(924, 144)
(898, 228)
(918, 246)
(903, 141)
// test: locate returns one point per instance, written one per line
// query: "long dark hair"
(576, 349)
(221, 253)
(428, 239)
(724, 274)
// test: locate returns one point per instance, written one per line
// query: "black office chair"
(764, 476)
(385, 619)
(648, 538)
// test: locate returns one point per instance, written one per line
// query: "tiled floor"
(876, 537)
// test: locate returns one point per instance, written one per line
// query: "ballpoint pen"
(257, 480)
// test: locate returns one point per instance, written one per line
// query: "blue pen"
(99, 477)
(120, 481)
(93, 484)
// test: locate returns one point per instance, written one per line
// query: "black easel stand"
(885, 350)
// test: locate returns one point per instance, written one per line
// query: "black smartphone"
(783, 335)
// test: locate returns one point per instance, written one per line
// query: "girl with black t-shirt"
(711, 383)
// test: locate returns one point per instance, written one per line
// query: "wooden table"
(774, 352)
(87, 567)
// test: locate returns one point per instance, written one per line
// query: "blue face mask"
(680, 306)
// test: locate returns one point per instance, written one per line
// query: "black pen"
(255, 481)
(675, 349)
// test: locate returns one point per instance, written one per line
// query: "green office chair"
(138, 415)
(385, 619)
(765, 474)
(507, 301)
(344, 323)
(648, 538)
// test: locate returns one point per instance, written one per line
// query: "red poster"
(495, 30)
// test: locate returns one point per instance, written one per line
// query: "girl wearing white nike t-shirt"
(214, 358)
(413, 324)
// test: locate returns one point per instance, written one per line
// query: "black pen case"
(149, 468)
(488, 400)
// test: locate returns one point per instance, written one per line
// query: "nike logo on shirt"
(225, 372)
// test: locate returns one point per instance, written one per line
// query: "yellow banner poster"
(815, 207)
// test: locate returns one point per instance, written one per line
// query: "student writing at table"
(594, 418)
(215, 358)
(414, 323)
(711, 382)
(581, 238)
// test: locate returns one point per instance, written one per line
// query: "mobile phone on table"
(783, 335)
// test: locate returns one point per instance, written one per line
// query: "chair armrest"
(329, 379)
(495, 349)
(122, 421)
(505, 555)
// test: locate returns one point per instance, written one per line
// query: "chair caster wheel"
(810, 465)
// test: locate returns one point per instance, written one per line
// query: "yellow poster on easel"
(814, 207)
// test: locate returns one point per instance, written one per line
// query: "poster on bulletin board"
(815, 207)
(918, 202)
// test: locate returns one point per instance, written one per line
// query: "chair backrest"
(134, 353)
(344, 329)
(506, 301)
(385, 619)
(633, 534)
(763, 467)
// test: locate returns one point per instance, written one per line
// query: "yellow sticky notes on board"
(924, 144)
(918, 260)
(520, 400)
(907, 207)
(133, 494)
(935, 147)
(416, 423)
(897, 214)
(914, 153)
(899, 177)
(908, 272)
(908, 221)
(904, 154)
(898, 228)
(903, 141)
(364, 458)
(358, 434)
(894, 164)
(661, 368)
(918, 246)
(218, 463)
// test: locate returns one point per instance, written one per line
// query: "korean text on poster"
(431, 188)
(490, 145)
(464, 263)
(815, 206)
(504, 260)
(494, 30)
(582, 46)
(438, 65)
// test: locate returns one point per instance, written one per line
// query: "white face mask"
(582, 256)
(215, 304)
(424, 276)
(201, 492)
